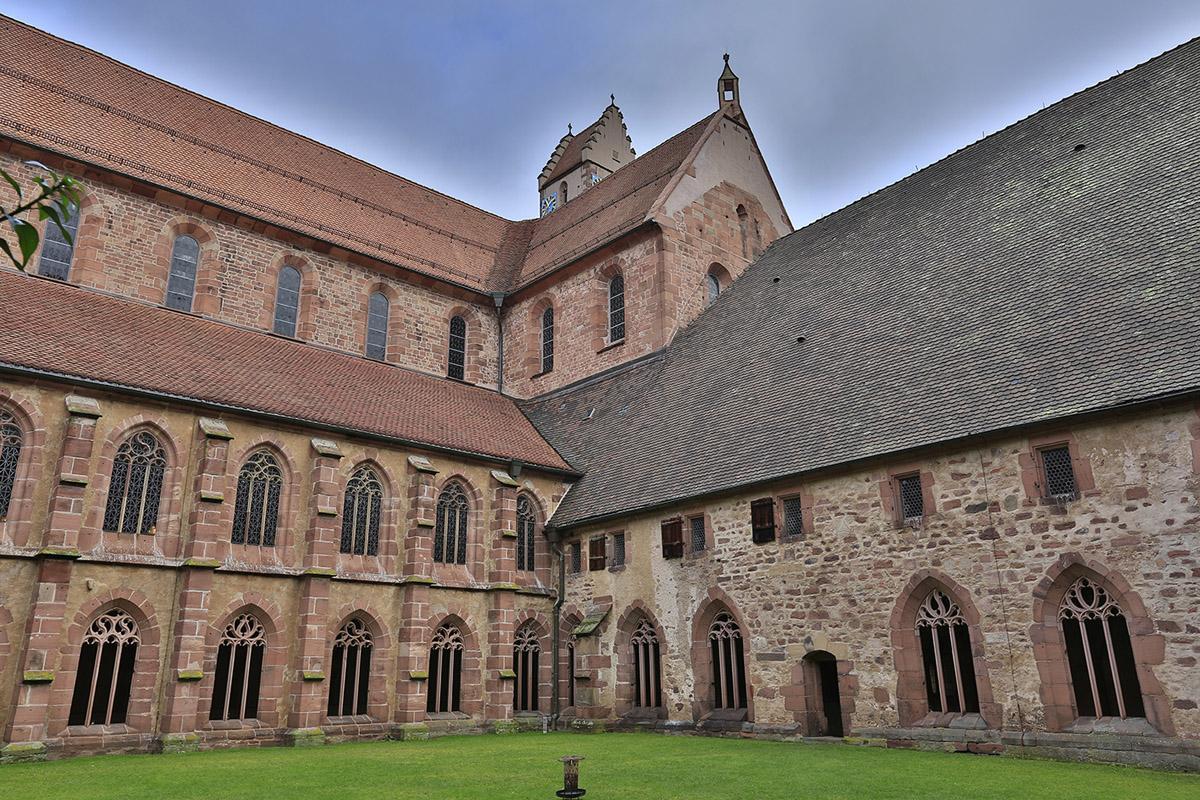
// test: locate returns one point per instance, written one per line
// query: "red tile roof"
(77, 333)
(67, 99)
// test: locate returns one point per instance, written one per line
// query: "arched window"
(181, 282)
(647, 669)
(744, 230)
(105, 674)
(287, 301)
(616, 309)
(136, 486)
(445, 671)
(946, 655)
(239, 669)
(713, 286)
(360, 513)
(548, 339)
(377, 326)
(450, 535)
(1099, 653)
(350, 670)
(728, 662)
(526, 655)
(256, 512)
(563, 190)
(457, 361)
(526, 524)
(57, 252)
(10, 454)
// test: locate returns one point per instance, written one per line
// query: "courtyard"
(624, 766)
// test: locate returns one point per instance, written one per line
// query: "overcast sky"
(471, 97)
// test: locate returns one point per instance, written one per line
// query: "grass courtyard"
(618, 767)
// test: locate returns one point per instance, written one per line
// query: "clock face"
(549, 203)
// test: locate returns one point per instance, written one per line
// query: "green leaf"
(13, 183)
(16, 261)
(27, 237)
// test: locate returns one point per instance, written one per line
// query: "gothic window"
(445, 671)
(360, 513)
(136, 486)
(1099, 653)
(713, 284)
(450, 531)
(10, 454)
(457, 361)
(377, 326)
(287, 301)
(181, 282)
(1058, 475)
(699, 540)
(104, 677)
(350, 670)
(911, 498)
(728, 663)
(563, 190)
(57, 252)
(616, 309)
(744, 230)
(526, 524)
(946, 656)
(647, 668)
(239, 669)
(548, 340)
(526, 654)
(256, 512)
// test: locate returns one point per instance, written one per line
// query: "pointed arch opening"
(135, 487)
(350, 670)
(104, 675)
(444, 685)
(237, 678)
(527, 654)
(450, 527)
(361, 511)
(256, 508)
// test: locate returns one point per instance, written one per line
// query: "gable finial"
(613, 99)
(568, 129)
(727, 58)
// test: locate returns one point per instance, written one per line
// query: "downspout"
(555, 646)
(498, 299)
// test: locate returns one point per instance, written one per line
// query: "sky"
(470, 98)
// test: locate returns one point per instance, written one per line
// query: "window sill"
(952, 719)
(617, 568)
(693, 555)
(542, 373)
(610, 346)
(234, 724)
(446, 716)
(116, 729)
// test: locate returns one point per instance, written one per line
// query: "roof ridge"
(255, 118)
(992, 135)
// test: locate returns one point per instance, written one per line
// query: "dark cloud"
(470, 97)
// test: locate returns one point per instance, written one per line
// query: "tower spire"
(727, 90)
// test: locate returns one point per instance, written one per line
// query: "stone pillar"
(498, 666)
(413, 637)
(420, 520)
(74, 470)
(320, 563)
(209, 518)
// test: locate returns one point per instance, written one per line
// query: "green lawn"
(618, 767)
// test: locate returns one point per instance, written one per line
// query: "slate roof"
(1050, 269)
(70, 100)
(67, 331)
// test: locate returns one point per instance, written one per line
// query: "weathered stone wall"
(184, 582)
(990, 541)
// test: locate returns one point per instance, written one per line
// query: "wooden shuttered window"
(672, 538)
(596, 554)
(762, 520)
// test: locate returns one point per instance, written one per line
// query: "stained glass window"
(10, 455)
(616, 309)
(287, 301)
(526, 524)
(181, 282)
(136, 486)
(548, 340)
(360, 513)
(377, 326)
(450, 532)
(256, 512)
(457, 362)
(57, 252)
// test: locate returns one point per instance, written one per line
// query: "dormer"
(582, 160)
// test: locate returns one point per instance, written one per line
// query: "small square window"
(1059, 474)
(576, 558)
(911, 497)
(699, 540)
(618, 549)
(596, 556)
(793, 518)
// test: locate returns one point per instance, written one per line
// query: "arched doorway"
(823, 695)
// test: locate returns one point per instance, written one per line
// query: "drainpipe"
(555, 666)
(498, 299)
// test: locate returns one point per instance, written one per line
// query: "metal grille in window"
(181, 283)
(1059, 474)
(287, 301)
(450, 535)
(458, 349)
(548, 340)
(360, 513)
(699, 541)
(618, 546)
(912, 500)
(256, 512)
(104, 676)
(576, 558)
(57, 252)
(238, 674)
(616, 309)
(377, 326)
(350, 670)
(10, 454)
(793, 517)
(526, 524)
(136, 486)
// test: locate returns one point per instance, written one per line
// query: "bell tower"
(728, 94)
(581, 160)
